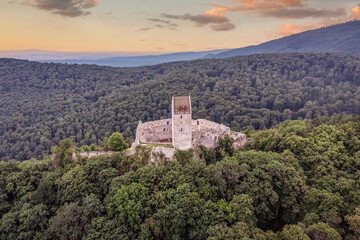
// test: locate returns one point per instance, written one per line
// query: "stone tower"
(181, 123)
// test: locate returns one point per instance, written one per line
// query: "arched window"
(197, 122)
(181, 116)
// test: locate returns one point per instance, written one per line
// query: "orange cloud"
(290, 3)
(220, 10)
(258, 4)
(289, 29)
(283, 9)
(355, 13)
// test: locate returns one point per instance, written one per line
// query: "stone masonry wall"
(207, 133)
(154, 132)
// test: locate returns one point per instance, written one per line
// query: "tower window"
(180, 130)
(181, 116)
(197, 122)
(167, 123)
(164, 129)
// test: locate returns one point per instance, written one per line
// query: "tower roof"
(181, 105)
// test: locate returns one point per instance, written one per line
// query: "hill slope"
(43, 103)
(338, 38)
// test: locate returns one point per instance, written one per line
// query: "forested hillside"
(343, 38)
(43, 103)
(298, 181)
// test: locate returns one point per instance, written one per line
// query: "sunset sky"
(160, 26)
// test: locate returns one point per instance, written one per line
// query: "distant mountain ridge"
(136, 61)
(343, 38)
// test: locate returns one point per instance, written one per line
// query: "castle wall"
(168, 153)
(154, 132)
(86, 155)
(207, 133)
(240, 139)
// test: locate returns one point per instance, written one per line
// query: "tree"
(103, 228)
(220, 232)
(188, 216)
(131, 205)
(294, 232)
(293, 127)
(354, 222)
(33, 221)
(74, 185)
(63, 153)
(244, 209)
(69, 223)
(225, 144)
(116, 142)
(323, 231)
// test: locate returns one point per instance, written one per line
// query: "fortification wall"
(154, 132)
(240, 139)
(86, 155)
(207, 133)
(203, 124)
(168, 153)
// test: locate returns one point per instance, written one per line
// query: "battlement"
(203, 124)
(181, 105)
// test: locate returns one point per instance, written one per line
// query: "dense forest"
(300, 180)
(43, 103)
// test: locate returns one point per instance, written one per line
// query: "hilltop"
(343, 37)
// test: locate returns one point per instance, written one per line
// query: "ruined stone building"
(182, 132)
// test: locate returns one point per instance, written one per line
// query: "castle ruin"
(181, 132)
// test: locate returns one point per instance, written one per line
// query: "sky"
(160, 26)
